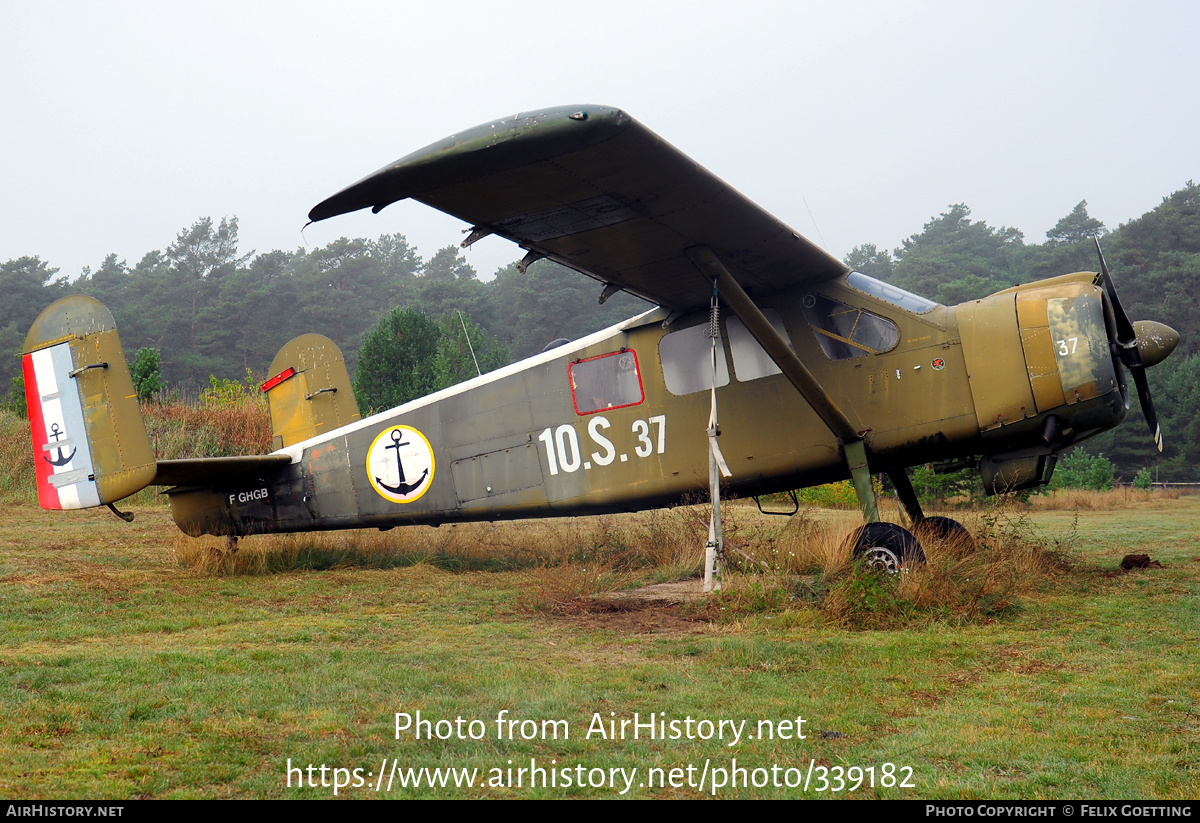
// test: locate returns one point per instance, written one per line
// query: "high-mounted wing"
(590, 187)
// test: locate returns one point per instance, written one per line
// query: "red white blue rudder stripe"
(66, 478)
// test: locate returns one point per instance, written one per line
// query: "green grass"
(128, 668)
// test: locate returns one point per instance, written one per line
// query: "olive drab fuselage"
(617, 421)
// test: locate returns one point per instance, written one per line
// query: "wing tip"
(422, 169)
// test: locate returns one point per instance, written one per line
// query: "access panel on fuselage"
(996, 368)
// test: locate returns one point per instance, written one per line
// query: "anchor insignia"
(401, 487)
(61, 461)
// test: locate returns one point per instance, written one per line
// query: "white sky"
(123, 123)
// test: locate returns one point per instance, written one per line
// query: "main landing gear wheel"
(947, 531)
(885, 546)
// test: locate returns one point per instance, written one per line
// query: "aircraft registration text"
(564, 453)
(246, 497)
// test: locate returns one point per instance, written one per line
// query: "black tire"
(885, 546)
(947, 531)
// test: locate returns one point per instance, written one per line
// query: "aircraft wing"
(590, 187)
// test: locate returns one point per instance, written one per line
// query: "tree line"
(210, 309)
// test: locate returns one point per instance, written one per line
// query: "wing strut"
(717, 468)
(853, 444)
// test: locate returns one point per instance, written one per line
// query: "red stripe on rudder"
(47, 494)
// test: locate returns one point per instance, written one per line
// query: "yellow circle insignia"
(400, 464)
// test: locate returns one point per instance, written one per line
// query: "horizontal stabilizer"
(220, 471)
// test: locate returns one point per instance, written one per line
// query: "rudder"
(310, 392)
(89, 442)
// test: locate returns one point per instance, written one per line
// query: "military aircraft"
(824, 372)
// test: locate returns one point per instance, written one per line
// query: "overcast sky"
(123, 123)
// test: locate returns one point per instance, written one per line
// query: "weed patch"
(574, 588)
(958, 583)
(806, 567)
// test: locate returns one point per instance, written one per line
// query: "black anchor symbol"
(61, 461)
(401, 488)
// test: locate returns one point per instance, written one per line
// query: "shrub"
(227, 392)
(1080, 470)
(17, 481)
(839, 495)
(146, 374)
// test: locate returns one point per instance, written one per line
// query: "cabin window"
(914, 303)
(610, 381)
(750, 360)
(686, 357)
(845, 331)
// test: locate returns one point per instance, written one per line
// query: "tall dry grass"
(17, 480)
(179, 430)
(1081, 500)
(665, 544)
(566, 562)
(646, 548)
(960, 581)
(812, 544)
(804, 566)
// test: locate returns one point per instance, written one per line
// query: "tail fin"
(89, 441)
(309, 392)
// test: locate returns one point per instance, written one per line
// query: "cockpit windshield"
(892, 294)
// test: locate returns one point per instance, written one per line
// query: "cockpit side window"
(846, 331)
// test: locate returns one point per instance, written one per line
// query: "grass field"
(133, 664)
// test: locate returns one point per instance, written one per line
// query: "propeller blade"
(1126, 336)
(1127, 345)
(1139, 377)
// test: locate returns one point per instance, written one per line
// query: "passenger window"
(845, 331)
(750, 360)
(610, 381)
(687, 361)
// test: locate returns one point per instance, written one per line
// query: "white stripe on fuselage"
(296, 450)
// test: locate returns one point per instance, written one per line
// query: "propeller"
(1126, 346)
